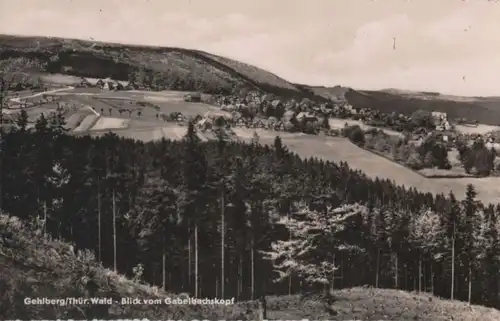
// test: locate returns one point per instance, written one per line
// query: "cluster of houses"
(107, 84)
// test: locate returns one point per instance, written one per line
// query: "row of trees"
(216, 218)
(432, 153)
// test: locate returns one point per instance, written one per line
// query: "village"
(255, 110)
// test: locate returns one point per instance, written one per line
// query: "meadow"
(339, 149)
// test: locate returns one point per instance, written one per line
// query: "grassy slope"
(378, 304)
(31, 266)
(116, 60)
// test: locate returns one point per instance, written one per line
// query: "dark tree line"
(197, 215)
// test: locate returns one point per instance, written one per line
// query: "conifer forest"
(230, 219)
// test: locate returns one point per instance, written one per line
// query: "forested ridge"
(177, 209)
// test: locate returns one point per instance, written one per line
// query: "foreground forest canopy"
(204, 217)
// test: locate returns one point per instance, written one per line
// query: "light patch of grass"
(377, 304)
(104, 123)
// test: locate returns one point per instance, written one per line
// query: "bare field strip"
(86, 123)
(74, 120)
(104, 123)
(480, 129)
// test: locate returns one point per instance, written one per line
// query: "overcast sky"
(451, 46)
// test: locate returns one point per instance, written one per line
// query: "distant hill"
(194, 70)
(180, 68)
(486, 110)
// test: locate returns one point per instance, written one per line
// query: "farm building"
(193, 97)
(108, 85)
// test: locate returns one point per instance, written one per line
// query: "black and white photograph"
(250, 160)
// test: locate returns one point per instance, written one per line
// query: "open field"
(166, 101)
